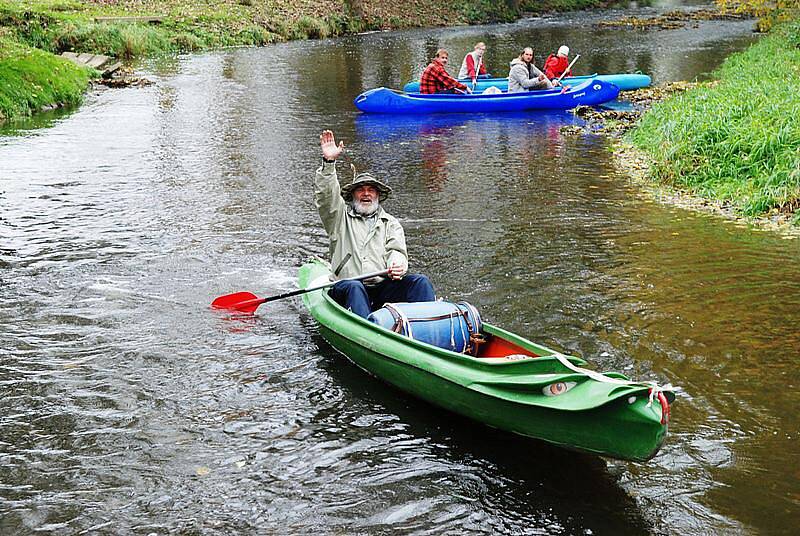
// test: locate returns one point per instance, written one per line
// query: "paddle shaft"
(568, 68)
(259, 301)
(477, 73)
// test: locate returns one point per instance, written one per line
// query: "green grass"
(737, 142)
(32, 79)
(66, 29)
(60, 25)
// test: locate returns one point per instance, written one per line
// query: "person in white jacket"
(524, 75)
(472, 66)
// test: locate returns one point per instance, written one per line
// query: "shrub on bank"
(768, 12)
(739, 141)
(123, 41)
(308, 27)
(480, 11)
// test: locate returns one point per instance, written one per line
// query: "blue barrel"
(452, 326)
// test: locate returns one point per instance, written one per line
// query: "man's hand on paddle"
(397, 271)
(327, 143)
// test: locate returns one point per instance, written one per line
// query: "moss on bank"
(737, 142)
(31, 80)
(56, 26)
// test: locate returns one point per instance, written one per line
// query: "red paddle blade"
(246, 302)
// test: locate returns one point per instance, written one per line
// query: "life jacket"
(555, 65)
(464, 71)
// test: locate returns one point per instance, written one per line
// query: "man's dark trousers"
(363, 299)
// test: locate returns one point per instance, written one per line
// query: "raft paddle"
(247, 302)
(568, 68)
(477, 73)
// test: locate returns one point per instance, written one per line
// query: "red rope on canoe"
(664, 405)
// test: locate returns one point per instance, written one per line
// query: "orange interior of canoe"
(497, 347)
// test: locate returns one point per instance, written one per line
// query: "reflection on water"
(128, 406)
(442, 145)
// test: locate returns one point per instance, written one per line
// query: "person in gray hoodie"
(524, 75)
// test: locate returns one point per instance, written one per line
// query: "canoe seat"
(452, 326)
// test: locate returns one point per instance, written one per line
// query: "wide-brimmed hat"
(363, 179)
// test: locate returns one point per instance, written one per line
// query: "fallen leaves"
(671, 20)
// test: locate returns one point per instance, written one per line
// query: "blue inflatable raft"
(388, 101)
(624, 81)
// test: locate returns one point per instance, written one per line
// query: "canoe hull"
(596, 431)
(617, 429)
(624, 81)
(383, 100)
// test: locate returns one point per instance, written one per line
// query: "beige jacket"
(522, 77)
(371, 249)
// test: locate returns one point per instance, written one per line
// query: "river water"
(129, 407)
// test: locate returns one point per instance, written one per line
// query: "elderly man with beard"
(364, 238)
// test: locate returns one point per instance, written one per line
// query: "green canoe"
(510, 385)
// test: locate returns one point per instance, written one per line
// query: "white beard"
(365, 209)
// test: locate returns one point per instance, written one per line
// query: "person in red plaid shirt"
(435, 78)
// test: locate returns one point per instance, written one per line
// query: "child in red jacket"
(555, 66)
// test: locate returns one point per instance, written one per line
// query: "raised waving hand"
(330, 151)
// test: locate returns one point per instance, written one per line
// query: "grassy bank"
(738, 142)
(32, 80)
(55, 26)
(185, 25)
